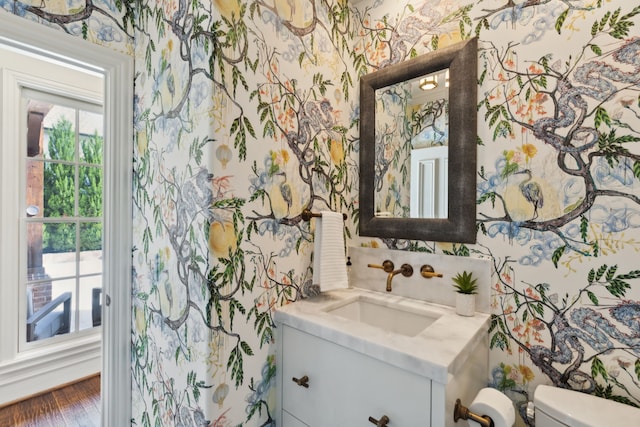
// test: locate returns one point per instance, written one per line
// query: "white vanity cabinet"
(361, 367)
(345, 387)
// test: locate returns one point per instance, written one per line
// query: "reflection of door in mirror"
(429, 167)
(410, 115)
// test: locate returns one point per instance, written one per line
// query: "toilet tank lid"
(580, 409)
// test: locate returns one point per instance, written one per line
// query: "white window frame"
(77, 99)
(117, 70)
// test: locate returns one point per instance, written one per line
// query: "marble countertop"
(436, 353)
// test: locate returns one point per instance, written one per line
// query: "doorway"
(27, 362)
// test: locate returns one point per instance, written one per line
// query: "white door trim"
(117, 69)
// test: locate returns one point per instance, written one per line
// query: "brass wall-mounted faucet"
(405, 269)
(388, 267)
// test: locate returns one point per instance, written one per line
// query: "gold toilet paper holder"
(461, 412)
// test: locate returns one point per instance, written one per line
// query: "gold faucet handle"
(427, 272)
(406, 270)
(387, 266)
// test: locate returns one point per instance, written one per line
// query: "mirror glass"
(418, 125)
(411, 148)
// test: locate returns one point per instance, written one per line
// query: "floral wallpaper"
(562, 189)
(101, 22)
(246, 112)
(392, 171)
(240, 125)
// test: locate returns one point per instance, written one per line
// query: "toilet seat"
(577, 409)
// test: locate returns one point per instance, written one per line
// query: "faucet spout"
(405, 269)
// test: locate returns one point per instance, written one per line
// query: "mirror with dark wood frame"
(458, 226)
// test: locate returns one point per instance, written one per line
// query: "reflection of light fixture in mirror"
(429, 83)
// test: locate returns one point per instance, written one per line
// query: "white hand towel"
(329, 262)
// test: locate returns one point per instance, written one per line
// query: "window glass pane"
(90, 197)
(59, 237)
(91, 137)
(47, 255)
(35, 260)
(90, 302)
(91, 248)
(61, 264)
(34, 194)
(36, 112)
(49, 309)
(59, 190)
(60, 134)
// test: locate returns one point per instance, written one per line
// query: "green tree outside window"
(60, 192)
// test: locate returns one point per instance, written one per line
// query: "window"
(62, 222)
(47, 118)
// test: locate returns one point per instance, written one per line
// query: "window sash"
(75, 280)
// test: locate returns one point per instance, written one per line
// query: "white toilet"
(556, 407)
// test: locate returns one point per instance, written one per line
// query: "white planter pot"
(465, 304)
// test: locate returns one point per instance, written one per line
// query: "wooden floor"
(75, 405)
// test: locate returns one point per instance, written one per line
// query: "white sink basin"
(389, 316)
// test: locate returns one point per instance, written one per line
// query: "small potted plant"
(466, 287)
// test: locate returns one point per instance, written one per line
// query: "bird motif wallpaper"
(246, 112)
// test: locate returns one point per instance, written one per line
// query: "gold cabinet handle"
(302, 382)
(382, 422)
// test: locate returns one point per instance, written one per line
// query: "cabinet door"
(365, 387)
(305, 355)
(346, 387)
